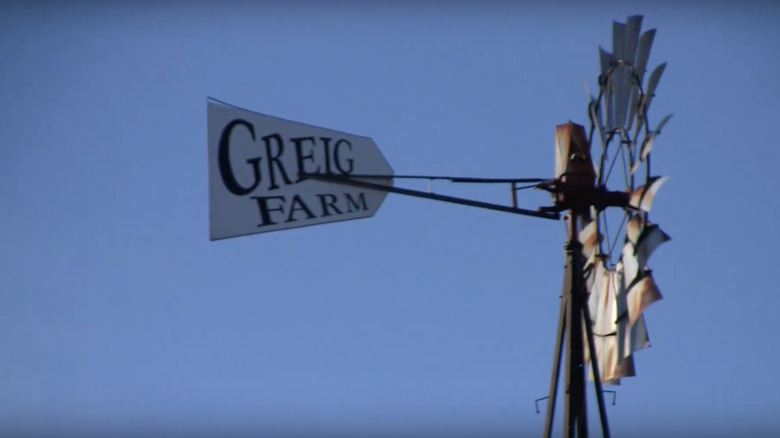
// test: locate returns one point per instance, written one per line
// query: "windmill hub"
(574, 187)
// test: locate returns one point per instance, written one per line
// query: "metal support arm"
(349, 181)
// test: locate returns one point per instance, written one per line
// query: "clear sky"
(116, 311)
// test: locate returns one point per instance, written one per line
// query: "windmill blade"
(624, 40)
(634, 227)
(612, 367)
(642, 197)
(641, 295)
(644, 151)
(651, 238)
(630, 264)
(590, 238)
(643, 53)
(633, 26)
(655, 133)
(602, 306)
(620, 75)
(642, 56)
(618, 39)
(647, 144)
(605, 59)
(634, 337)
(652, 84)
(662, 123)
(601, 301)
(630, 337)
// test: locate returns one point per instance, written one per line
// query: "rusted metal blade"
(590, 238)
(634, 227)
(642, 197)
(602, 304)
(630, 264)
(647, 143)
(635, 337)
(641, 295)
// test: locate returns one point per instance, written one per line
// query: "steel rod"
(349, 181)
(455, 179)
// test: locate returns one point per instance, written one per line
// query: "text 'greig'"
(281, 162)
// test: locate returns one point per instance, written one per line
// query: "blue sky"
(117, 311)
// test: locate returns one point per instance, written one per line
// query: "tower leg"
(556, 368)
(575, 406)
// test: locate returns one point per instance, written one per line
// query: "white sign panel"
(255, 162)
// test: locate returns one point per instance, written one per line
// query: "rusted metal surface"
(632, 338)
(590, 239)
(642, 197)
(609, 329)
(629, 265)
(572, 150)
(618, 298)
(634, 227)
(574, 172)
(641, 295)
(603, 311)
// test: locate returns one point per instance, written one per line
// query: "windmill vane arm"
(351, 180)
(455, 179)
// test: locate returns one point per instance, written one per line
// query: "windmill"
(607, 283)
(268, 174)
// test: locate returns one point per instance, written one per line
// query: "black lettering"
(351, 202)
(326, 143)
(303, 157)
(273, 158)
(296, 205)
(336, 154)
(265, 210)
(223, 157)
(328, 201)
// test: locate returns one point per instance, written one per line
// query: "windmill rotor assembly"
(268, 174)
